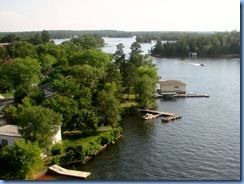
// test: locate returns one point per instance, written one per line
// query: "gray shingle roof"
(9, 130)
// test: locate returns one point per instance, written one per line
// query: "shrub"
(117, 132)
(105, 138)
(74, 153)
(92, 148)
(57, 149)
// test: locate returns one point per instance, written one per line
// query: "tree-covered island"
(179, 44)
(74, 86)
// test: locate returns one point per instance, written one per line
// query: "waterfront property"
(9, 133)
(172, 87)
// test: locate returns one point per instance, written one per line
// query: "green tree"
(158, 48)
(145, 86)
(129, 77)
(86, 121)
(114, 75)
(87, 76)
(47, 62)
(88, 42)
(23, 49)
(39, 124)
(19, 72)
(10, 38)
(95, 58)
(135, 50)
(57, 51)
(20, 159)
(11, 114)
(65, 106)
(45, 36)
(108, 106)
(37, 39)
(119, 56)
(66, 86)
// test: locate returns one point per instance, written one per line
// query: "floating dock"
(67, 172)
(166, 117)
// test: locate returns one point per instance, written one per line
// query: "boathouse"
(172, 87)
(192, 54)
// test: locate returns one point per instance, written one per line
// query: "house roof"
(171, 83)
(4, 44)
(9, 130)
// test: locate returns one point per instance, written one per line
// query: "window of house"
(176, 86)
(4, 142)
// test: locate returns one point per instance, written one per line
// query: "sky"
(123, 15)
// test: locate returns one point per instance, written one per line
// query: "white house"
(175, 86)
(9, 133)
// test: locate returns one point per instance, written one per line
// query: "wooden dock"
(166, 117)
(67, 172)
(171, 118)
(158, 96)
(190, 95)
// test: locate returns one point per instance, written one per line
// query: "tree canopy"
(20, 159)
(39, 124)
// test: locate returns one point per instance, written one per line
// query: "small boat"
(202, 64)
(148, 116)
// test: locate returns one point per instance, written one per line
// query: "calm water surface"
(203, 145)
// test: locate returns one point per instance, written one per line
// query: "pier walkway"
(62, 171)
(166, 117)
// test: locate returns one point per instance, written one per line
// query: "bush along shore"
(77, 151)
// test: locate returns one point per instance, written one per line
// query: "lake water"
(203, 145)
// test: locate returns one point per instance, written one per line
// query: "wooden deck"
(62, 171)
(166, 117)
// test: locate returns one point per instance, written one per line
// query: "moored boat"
(148, 116)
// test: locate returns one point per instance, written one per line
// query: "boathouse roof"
(172, 83)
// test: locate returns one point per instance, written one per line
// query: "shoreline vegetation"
(77, 87)
(74, 87)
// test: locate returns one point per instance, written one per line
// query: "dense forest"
(147, 37)
(74, 85)
(220, 43)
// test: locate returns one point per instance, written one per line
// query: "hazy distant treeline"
(60, 34)
(142, 37)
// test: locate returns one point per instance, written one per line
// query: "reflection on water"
(203, 145)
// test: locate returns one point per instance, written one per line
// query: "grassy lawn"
(128, 103)
(7, 95)
(76, 138)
